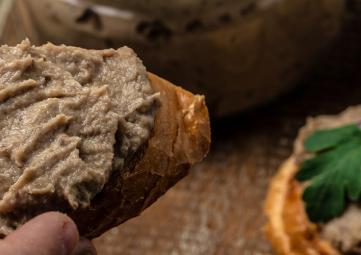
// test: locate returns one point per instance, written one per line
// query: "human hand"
(48, 234)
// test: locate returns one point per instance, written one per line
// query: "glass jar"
(239, 53)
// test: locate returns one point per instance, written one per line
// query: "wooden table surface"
(217, 209)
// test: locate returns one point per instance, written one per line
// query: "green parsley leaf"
(333, 175)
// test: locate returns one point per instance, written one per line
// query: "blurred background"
(264, 66)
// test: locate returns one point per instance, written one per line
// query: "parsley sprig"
(333, 175)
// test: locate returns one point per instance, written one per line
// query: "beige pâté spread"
(68, 118)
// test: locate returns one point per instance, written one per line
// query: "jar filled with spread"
(239, 53)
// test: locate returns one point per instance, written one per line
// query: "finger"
(48, 234)
(84, 247)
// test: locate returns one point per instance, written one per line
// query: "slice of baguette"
(288, 227)
(158, 139)
(181, 137)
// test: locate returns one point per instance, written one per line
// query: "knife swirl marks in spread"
(68, 118)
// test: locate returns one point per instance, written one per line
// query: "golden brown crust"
(288, 227)
(181, 137)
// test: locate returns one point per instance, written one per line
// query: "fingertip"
(70, 232)
(56, 233)
(64, 225)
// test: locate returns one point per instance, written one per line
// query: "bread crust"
(181, 137)
(288, 227)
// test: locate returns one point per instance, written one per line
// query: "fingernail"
(70, 234)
